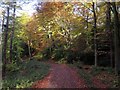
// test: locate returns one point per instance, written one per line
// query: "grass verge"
(104, 74)
(27, 73)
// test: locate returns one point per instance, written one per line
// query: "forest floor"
(65, 76)
(47, 74)
(61, 76)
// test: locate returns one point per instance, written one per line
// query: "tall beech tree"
(12, 32)
(95, 31)
(109, 30)
(5, 42)
(116, 37)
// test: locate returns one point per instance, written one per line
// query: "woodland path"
(61, 76)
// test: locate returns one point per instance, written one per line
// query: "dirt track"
(61, 76)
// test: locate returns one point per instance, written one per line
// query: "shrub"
(70, 56)
(58, 54)
(47, 53)
(87, 58)
(39, 56)
(12, 67)
(96, 70)
(62, 61)
(29, 72)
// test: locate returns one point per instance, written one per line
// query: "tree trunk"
(3, 20)
(12, 35)
(95, 30)
(5, 43)
(116, 38)
(87, 42)
(108, 29)
(29, 50)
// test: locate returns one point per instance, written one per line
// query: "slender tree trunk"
(87, 21)
(29, 50)
(3, 20)
(116, 38)
(5, 43)
(87, 42)
(108, 29)
(12, 35)
(3, 23)
(95, 31)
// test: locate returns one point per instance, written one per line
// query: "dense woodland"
(64, 32)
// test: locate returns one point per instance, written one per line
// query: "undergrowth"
(95, 71)
(25, 74)
(87, 78)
